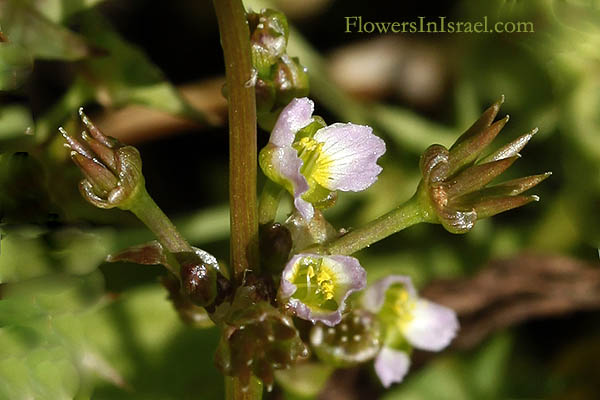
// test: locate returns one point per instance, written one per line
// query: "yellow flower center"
(315, 282)
(315, 163)
(398, 307)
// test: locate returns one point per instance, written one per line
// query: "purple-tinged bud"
(290, 80)
(453, 187)
(280, 77)
(269, 33)
(198, 278)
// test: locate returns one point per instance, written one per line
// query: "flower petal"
(285, 161)
(349, 276)
(433, 326)
(374, 296)
(349, 157)
(295, 116)
(391, 366)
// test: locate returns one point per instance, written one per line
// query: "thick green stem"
(410, 213)
(235, 39)
(269, 202)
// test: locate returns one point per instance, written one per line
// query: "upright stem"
(410, 213)
(235, 39)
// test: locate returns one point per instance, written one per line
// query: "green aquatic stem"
(269, 202)
(243, 153)
(414, 211)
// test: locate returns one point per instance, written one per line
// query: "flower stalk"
(155, 219)
(410, 213)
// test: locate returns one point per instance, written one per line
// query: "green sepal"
(264, 160)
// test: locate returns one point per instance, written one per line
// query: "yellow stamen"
(403, 307)
(325, 282)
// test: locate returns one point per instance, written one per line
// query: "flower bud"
(290, 79)
(269, 33)
(275, 247)
(280, 77)
(198, 279)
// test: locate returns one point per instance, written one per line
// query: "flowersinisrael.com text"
(355, 24)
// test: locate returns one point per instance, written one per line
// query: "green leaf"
(304, 380)
(409, 129)
(15, 65)
(486, 373)
(127, 75)
(441, 380)
(29, 252)
(41, 336)
(60, 10)
(14, 120)
(141, 336)
(458, 377)
(27, 27)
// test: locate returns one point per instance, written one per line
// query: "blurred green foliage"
(74, 327)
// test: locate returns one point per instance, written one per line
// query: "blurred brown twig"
(509, 291)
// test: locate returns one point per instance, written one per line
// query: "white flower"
(409, 321)
(316, 287)
(335, 157)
